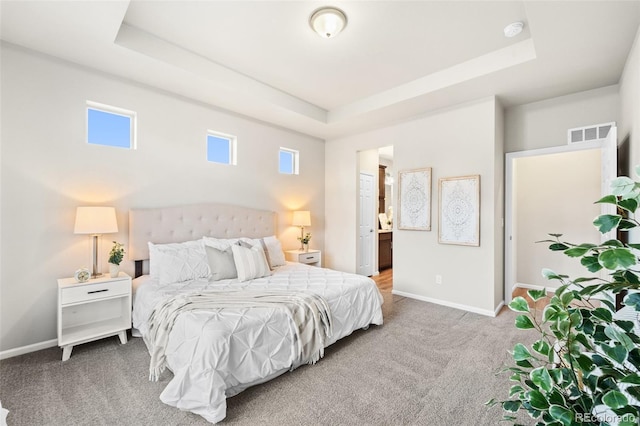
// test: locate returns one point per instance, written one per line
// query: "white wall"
(545, 123)
(630, 103)
(454, 142)
(47, 170)
(555, 194)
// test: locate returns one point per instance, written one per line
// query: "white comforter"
(219, 353)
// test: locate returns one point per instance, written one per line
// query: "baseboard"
(10, 353)
(462, 307)
(534, 287)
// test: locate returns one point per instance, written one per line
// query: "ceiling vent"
(589, 133)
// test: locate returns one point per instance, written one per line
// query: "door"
(366, 228)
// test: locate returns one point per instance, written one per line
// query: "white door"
(366, 229)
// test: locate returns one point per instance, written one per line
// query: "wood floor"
(384, 281)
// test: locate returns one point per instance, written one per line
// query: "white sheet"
(217, 354)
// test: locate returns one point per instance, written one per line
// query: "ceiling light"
(328, 21)
(513, 29)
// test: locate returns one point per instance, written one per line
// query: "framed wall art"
(414, 199)
(459, 203)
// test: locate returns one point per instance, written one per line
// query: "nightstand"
(311, 257)
(89, 311)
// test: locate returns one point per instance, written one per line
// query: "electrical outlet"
(438, 279)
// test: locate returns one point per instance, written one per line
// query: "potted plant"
(305, 240)
(115, 257)
(584, 366)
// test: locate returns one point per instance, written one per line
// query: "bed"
(217, 353)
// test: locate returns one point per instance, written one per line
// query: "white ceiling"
(394, 60)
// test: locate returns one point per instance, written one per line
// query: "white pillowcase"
(177, 262)
(276, 255)
(250, 262)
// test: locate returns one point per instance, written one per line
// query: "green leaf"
(523, 322)
(536, 295)
(491, 402)
(631, 378)
(576, 251)
(633, 299)
(519, 304)
(584, 362)
(634, 246)
(622, 185)
(515, 389)
(591, 263)
(550, 275)
(541, 378)
(612, 243)
(608, 199)
(626, 224)
(537, 400)
(521, 353)
(602, 314)
(617, 353)
(615, 399)
(630, 204)
(561, 414)
(617, 258)
(511, 406)
(556, 235)
(607, 222)
(558, 247)
(541, 347)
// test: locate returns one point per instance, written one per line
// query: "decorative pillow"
(274, 248)
(177, 262)
(250, 262)
(221, 263)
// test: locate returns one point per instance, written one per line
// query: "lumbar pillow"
(250, 262)
(221, 263)
(177, 262)
(274, 248)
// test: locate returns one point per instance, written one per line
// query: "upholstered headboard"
(184, 223)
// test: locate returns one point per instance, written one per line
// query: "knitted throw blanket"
(309, 315)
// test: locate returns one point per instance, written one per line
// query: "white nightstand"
(89, 311)
(311, 257)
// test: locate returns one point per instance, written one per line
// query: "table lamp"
(95, 221)
(301, 218)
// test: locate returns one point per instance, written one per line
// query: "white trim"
(462, 307)
(28, 349)
(534, 287)
(608, 149)
(132, 115)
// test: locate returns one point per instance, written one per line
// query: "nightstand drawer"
(309, 257)
(84, 293)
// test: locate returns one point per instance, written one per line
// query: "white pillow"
(276, 255)
(250, 262)
(177, 262)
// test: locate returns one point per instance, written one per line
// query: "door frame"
(608, 172)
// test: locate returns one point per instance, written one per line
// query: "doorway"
(365, 225)
(546, 212)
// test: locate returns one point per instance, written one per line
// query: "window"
(110, 126)
(289, 161)
(221, 148)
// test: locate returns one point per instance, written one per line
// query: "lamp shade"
(301, 218)
(95, 220)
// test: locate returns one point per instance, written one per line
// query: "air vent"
(589, 133)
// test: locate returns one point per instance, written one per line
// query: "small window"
(110, 126)
(221, 148)
(289, 161)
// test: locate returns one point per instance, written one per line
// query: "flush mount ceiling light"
(513, 29)
(328, 21)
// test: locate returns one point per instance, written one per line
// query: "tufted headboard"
(184, 223)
